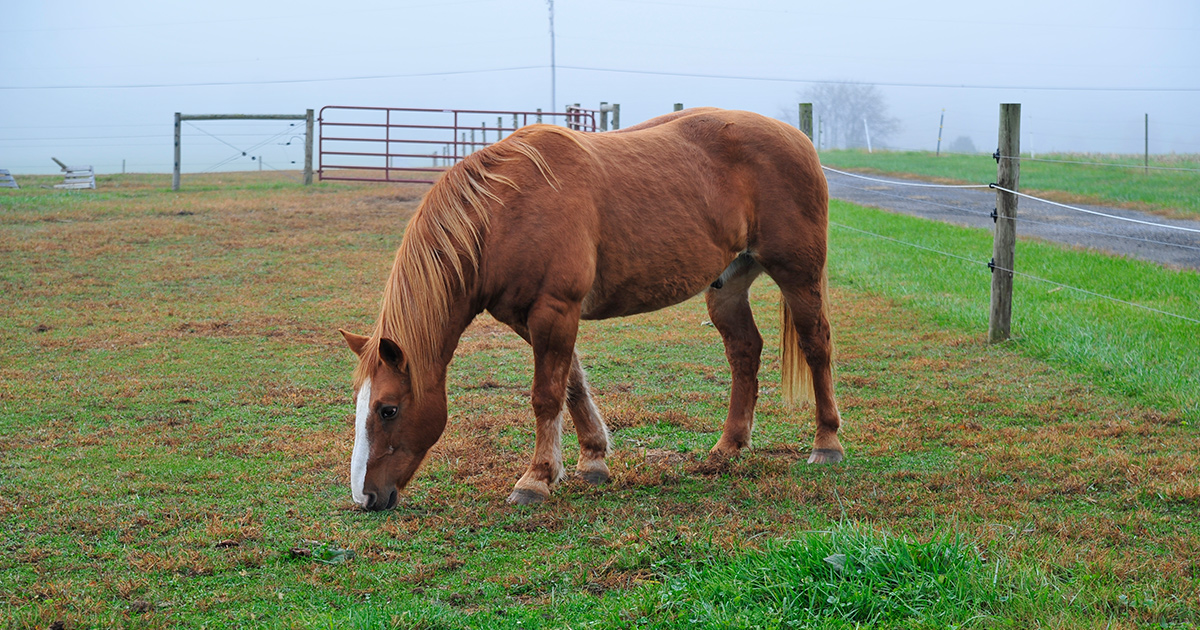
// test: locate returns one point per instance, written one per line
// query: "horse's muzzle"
(379, 501)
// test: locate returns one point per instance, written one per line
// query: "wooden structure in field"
(307, 117)
(76, 177)
(6, 179)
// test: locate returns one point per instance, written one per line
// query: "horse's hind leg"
(806, 297)
(589, 426)
(729, 310)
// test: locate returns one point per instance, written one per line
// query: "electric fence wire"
(913, 184)
(1108, 164)
(1101, 214)
(219, 139)
(1018, 273)
(1078, 228)
(1019, 194)
(244, 152)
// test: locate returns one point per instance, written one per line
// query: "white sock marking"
(362, 448)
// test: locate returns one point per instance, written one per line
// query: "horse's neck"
(462, 313)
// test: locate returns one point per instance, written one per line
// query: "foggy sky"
(96, 83)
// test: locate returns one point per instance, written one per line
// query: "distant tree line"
(840, 109)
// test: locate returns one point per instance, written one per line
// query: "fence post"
(678, 107)
(539, 115)
(616, 111)
(178, 130)
(603, 116)
(1146, 163)
(308, 146)
(1008, 175)
(941, 123)
(806, 119)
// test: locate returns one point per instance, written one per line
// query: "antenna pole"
(553, 69)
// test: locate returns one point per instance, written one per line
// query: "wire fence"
(980, 213)
(1104, 164)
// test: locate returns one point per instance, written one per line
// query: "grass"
(1132, 351)
(1166, 192)
(175, 424)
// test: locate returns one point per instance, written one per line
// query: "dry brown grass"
(202, 385)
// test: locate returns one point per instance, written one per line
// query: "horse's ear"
(356, 342)
(391, 353)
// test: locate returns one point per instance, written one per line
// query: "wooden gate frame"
(307, 117)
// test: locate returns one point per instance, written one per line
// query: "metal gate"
(411, 145)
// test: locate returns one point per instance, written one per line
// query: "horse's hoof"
(825, 456)
(594, 477)
(521, 496)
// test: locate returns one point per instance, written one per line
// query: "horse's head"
(393, 429)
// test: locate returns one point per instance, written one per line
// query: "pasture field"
(176, 424)
(1166, 192)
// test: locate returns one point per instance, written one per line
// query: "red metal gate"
(404, 144)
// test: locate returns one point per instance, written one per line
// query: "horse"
(552, 226)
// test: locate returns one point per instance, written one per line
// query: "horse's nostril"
(370, 502)
(392, 498)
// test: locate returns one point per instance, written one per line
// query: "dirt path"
(973, 207)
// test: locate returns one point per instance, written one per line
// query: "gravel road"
(973, 208)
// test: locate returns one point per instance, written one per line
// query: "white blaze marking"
(362, 448)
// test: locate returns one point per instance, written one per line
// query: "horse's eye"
(388, 412)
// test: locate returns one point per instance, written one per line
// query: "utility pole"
(553, 68)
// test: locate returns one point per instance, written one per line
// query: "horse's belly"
(642, 295)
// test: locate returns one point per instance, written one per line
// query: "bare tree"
(842, 108)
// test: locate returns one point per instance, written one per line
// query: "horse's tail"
(795, 375)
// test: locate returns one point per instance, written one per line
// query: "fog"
(99, 83)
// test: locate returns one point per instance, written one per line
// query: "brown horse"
(551, 226)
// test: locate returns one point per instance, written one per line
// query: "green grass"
(1136, 352)
(1172, 193)
(175, 420)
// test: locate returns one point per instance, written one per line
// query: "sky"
(98, 83)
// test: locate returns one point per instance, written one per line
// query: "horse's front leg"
(552, 326)
(594, 440)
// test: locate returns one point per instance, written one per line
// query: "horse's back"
(687, 194)
(646, 218)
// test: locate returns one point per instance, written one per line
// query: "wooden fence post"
(941, 124)
(178, 132)
(1147, 147)
(616, 121)
(806, 119)
(1008, 175)
(308, 146)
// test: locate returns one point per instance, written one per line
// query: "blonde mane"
(439, 252)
